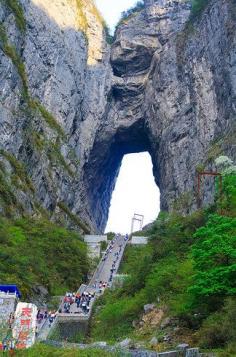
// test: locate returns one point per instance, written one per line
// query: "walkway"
(104, 273)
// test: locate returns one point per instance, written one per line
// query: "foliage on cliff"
(38, 252)
(188, 270)
(198, 7)
(125, 15)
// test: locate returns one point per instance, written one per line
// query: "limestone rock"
(158, 89)
(149, 307)
(153, 342)
(166, 322)
(125, 343)
(182, 347)
(99, 344)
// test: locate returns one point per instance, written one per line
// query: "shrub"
(219, 328)
(198, 6)
(214, 257)
(125, 15)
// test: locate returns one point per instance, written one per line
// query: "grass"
(8, 199)
(20, 172)
(55, 157)
(7, 196)
(48, 351)
(75, 219)
(83, 22)
(17, 10)
(11, 52)
(49, 118)
(39, 252)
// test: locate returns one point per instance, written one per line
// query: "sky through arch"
(135, 192)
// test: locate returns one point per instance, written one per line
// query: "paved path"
(114, 255)
(110, 260)
(103, 273)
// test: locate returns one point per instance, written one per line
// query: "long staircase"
(113, 257)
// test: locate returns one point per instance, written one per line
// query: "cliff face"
(173, 94)
(54, 79)
(167, 86)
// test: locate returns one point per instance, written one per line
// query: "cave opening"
(135, 192)
(103, 166)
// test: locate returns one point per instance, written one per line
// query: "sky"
(135, 192)
(111, 10)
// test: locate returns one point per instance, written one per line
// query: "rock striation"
(72, 106)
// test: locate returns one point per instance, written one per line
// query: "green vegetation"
(11, 52)
(48, 351)
(38, 252)
(55, 156)
(49, 118)
(75, 219)
(198, 6)
(20, 173)
(8, 185)
(34, 104)
(217, 146)
(214, 257)
(183, 202)
(7, 196)
(17, 10)
(126, 15)
(188, 269)
(83, 22)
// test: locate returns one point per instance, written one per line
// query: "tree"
(214, 257)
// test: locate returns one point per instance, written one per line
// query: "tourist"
(4, 345)
(45, 314)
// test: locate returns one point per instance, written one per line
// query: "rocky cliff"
(71, 106)
(54, 82)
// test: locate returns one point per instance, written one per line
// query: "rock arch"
(102, 168)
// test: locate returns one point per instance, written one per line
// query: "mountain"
(72, 105)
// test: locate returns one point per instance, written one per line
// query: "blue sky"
(111, 10)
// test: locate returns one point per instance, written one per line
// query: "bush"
(214, 256)
(198, 6)
(219, 329)
(125, 15)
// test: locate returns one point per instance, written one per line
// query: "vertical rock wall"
(71, 106)
(173, 94)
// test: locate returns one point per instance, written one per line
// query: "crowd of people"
(77, 301)
(44, 316)
(81, 302)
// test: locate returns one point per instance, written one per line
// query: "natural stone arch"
(102, 168)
